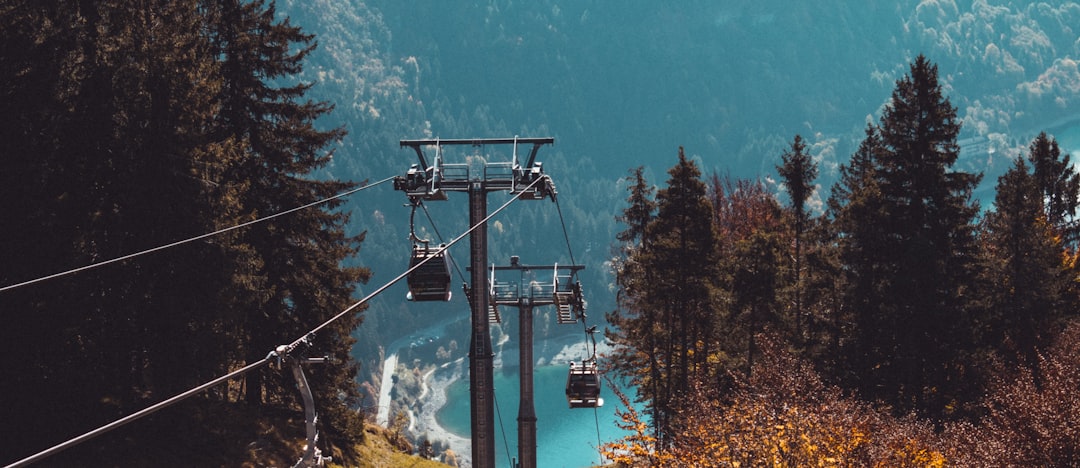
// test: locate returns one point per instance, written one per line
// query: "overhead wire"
(418, 264)
(570, 251)
(506, 443)
(599, 449)
(439, 235)
(249, 367)
(140, 414)
(566, 235)
(192, 239)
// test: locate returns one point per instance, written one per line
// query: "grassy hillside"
(380, 449)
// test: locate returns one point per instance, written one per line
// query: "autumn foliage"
(785, 415)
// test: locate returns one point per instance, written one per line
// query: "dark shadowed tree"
(293, 277)
(634, 354)
(131, 125)
(677, 262)
(916, 266)
(1059, 184)
(798, 172)
(105, 109)
(1025, 272)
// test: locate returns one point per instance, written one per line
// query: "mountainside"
(621, 85)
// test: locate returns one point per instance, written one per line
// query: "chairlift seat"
(431, 281)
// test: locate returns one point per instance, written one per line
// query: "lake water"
(564, 437)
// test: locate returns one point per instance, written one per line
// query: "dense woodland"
(903, 326)
(131, 125)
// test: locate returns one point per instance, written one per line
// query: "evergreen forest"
(877, 265)
(133, 125)
(903, 326)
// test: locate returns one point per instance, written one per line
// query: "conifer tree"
(914, 267)
(294, 278)
(1027, 281)
(675, 313)
(1059, 184)
(798, 172)
(108, 155)
(634, 354)
(133, 125)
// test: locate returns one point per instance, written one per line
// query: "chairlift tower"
(535, 286)
(432, 181)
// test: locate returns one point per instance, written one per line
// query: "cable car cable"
(189, 240)
(439, 235)
(566, 235)
(410, 270)
(140, 414)
(596, 419)
(250, 367)
(506, 443)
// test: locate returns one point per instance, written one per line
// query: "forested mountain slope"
(622, 85)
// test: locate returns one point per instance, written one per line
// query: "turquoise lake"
(564, 437)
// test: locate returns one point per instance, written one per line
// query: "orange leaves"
(783, 416)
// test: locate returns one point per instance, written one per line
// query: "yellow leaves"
(782, 417)
(914, 454)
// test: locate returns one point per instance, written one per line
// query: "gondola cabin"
(583, 386)
(431, 281)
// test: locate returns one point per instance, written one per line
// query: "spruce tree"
(680, 255)
(292, 277)
(634, 354)
(673, 311)
(133, 125)
(1059, 185)
(108, 155)
(1027, 281)
(915, 266)
(798, 172)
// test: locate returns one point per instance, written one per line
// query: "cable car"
(431, 281)
(583, 386)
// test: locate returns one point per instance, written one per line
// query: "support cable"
(439, 235)
(506, 443)
(588, 331)
(564, 232)
(189, 240)
(599, 451)
(140, 414)
(279, 352)
(418, 264)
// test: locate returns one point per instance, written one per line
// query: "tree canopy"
(920, 309)
(131, 126)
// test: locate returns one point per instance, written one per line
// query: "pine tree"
(1027, 281)
(108, 155)
(293, 277)
(634, 354)
(798, 172)
(858, 230)
(673, 316)
(1059, 184)
(637, 215)
(915, 266)
(132, 125)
